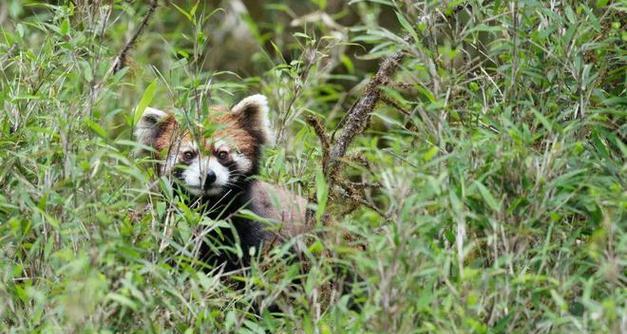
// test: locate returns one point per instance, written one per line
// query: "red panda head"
(209, 163)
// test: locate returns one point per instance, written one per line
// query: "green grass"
(495, 197)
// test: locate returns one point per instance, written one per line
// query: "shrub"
(488, 186)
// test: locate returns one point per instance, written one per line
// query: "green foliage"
(492, 177)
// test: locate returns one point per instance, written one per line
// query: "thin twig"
(315, 123)
(120, 61)
(395, 104)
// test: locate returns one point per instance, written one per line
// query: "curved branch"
(358, 116)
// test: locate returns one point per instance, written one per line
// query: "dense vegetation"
(488, 188)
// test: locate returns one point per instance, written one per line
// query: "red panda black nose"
(209, 180)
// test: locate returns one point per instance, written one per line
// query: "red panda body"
(217, 172)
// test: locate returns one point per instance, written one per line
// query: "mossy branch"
(358, 116)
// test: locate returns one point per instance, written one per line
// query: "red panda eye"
(188, 155)
(222, 155)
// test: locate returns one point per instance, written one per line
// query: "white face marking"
(195, 175)
(243, 163)
(173, 157)
(219, 143)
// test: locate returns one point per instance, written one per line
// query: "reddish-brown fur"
(229, 130)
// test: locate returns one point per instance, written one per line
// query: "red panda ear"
(252, 115)
(152, 127)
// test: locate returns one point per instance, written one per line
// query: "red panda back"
(280, 206)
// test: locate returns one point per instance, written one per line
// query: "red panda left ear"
(154, 129)
(252, 115)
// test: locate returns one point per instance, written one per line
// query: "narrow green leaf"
(545, 122)
(407, 26)
(430, 154)
(64, 28)
(487, 197)
(96, 128)
(122, 300)
(322, 192)
(182, 11)
(146, 99)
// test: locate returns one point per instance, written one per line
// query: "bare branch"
(120, 61)
(358, 116)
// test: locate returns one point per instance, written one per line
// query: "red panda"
(218, 171)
